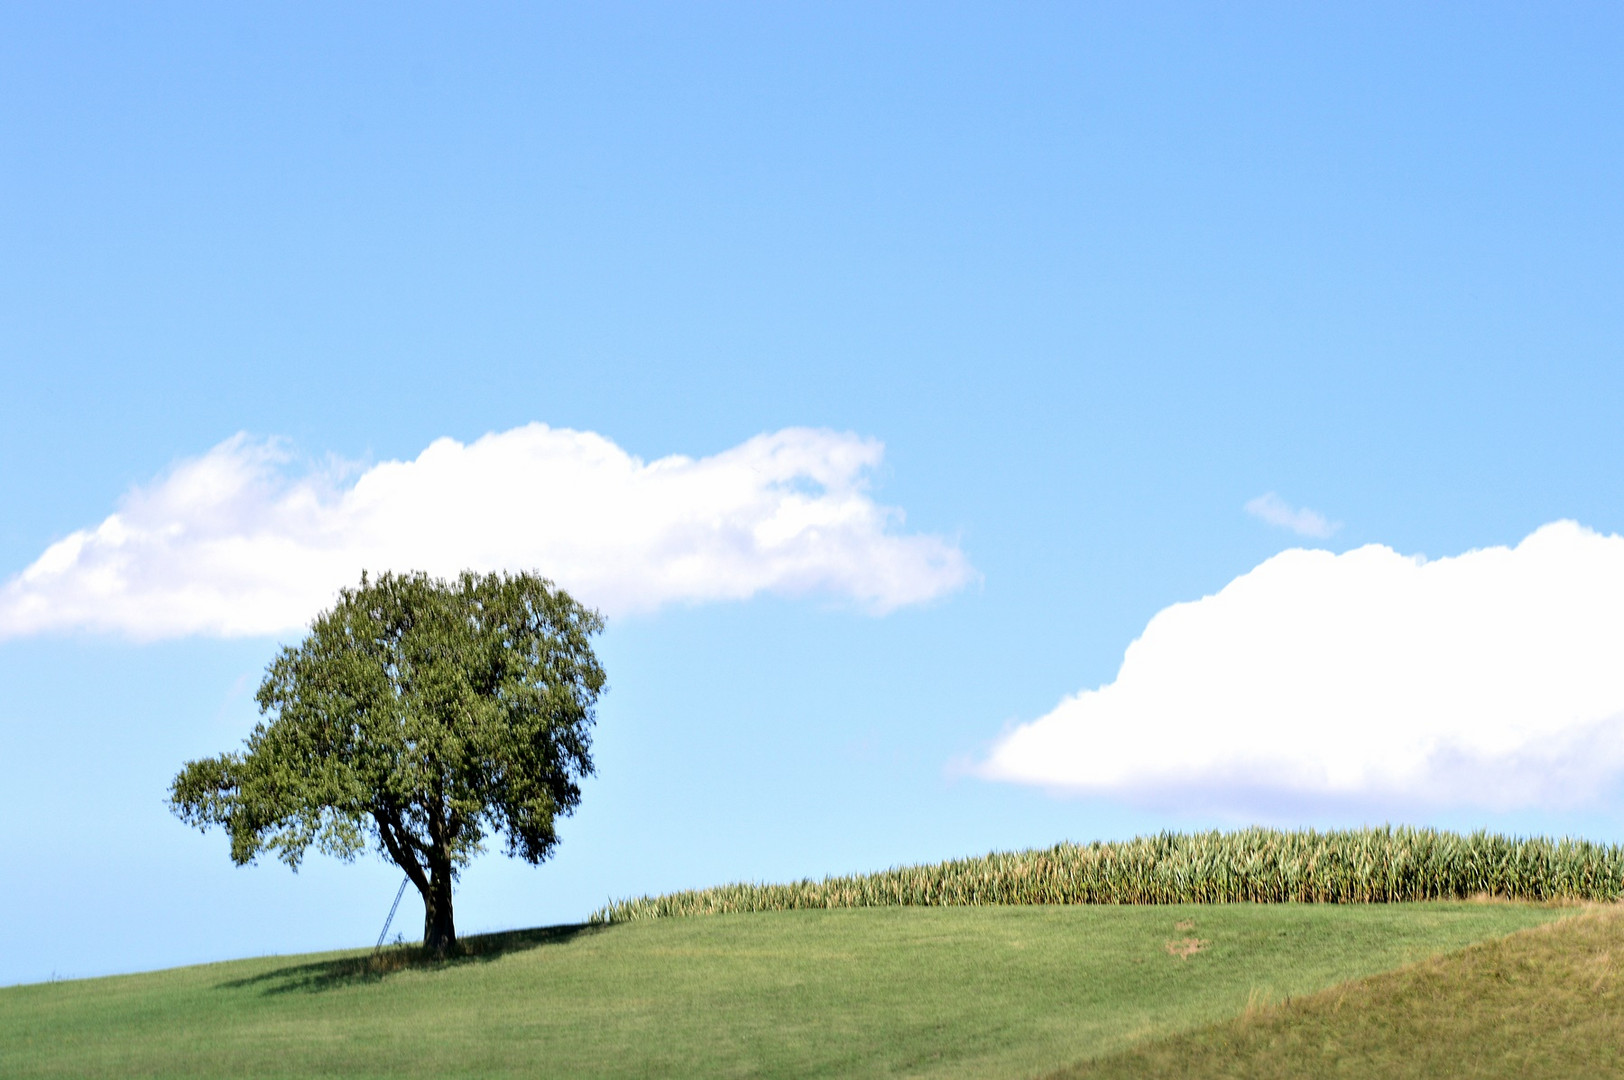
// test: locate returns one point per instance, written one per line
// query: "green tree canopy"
(421, 716)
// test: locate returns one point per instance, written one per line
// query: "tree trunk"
(439, 932)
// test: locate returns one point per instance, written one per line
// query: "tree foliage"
(419, 716)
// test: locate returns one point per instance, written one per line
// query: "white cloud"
(237, 542)
(1273, 509)
(1493, 679)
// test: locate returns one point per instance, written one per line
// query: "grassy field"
(916, 991)
(1547, 1002)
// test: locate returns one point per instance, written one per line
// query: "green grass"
(966, 991)
(1381, 865)
(1547, 1002)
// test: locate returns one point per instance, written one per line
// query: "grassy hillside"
(1547, 1002)
(942, 991)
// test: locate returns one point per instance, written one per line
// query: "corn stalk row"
(1361, 866)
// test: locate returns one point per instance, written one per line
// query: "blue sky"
(1096, 278)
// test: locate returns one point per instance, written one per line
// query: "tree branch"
(397, 839)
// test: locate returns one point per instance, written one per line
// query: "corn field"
(1362, 866)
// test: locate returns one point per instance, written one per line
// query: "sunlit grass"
(952, 992)
(1546, 1002)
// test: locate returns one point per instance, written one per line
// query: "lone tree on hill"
(421, 715)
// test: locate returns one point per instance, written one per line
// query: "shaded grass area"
(350, 969)
(1379, 865)
(1000, 991)
(1547, 1002)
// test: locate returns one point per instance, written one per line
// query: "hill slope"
(1547, 1002)
(884, 991)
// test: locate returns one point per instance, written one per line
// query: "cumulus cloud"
(1276, 511)
(241, 541)
(1493, 679)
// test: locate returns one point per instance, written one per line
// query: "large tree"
(420, 715)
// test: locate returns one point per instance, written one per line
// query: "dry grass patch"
(1184, 948)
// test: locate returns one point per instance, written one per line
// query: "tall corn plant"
(1361, 866)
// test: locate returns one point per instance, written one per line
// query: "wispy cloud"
(1273, 509)
(241, 541)
(1489, 679)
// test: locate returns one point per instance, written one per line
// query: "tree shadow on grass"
(380, 964)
